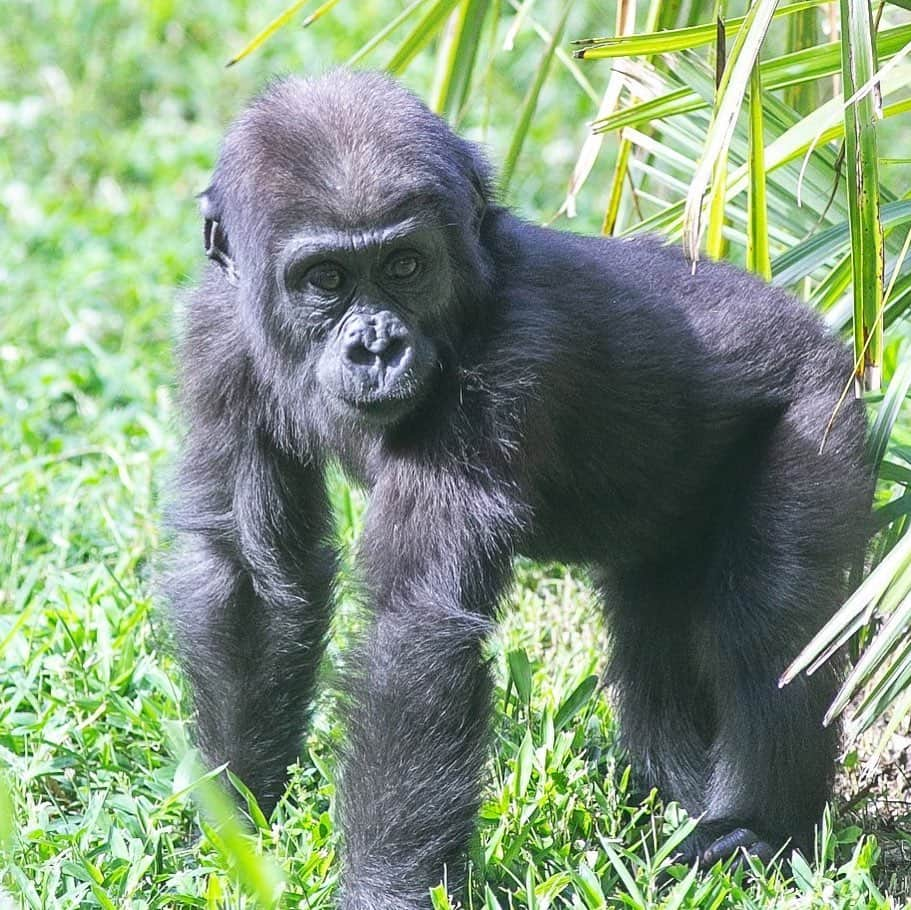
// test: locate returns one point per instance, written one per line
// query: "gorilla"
(499, 388)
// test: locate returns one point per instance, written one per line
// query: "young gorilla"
(500, 388)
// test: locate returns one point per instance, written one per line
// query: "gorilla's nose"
(377, 342)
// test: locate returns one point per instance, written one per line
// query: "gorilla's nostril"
(395, 353)
(360, 355)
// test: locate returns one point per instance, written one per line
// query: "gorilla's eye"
(327, 277)
(403, 266)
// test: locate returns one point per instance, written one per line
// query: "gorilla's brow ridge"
(316, 239)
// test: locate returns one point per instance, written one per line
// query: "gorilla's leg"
(700, 711)
(660, 688)
(773, 761)
(419, 713)
(777, 574)
(249, 594)
(417, 747)
(697, 662)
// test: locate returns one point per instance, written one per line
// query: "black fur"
(573, 398)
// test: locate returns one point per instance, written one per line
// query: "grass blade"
(575, 701)
(457, 67)
(743, 57)
(759, 259)
(531, 101)
(420, 35)
(385, 32)
(258, 40)
(677, 39)
(858, 68)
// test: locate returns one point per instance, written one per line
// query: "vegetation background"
(110, 116)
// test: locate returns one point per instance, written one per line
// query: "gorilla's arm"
(249, 593)
(436, 556)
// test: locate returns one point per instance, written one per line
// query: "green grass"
(109, 119)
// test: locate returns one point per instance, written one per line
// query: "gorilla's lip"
(381, 409)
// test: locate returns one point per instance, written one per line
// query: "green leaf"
(682, 890)
(893, 631)
(589, 887)
(530, 102)
(673, 40)
(524, 764)
(809, 64)
(758, 256)
(385, 32)
(256, 814)
(733, 86)
(804, 258)
(439, 899)
(862, 165)
(855, 606)
(520, 673)
(803, 32)
(895, 397)
(669, 847)
(623, 871)
(259, 873)
(262, 37)
(575, 701)
(420, 35)
(458, 63)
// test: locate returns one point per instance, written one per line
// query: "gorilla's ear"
(214, 237)
(479, 197)
(479, 175)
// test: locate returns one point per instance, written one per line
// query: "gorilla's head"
(347, 217)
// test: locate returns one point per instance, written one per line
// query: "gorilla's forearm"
(249, 597)
(417, 738)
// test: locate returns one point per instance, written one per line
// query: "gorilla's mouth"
(384, 395)
(381, 410)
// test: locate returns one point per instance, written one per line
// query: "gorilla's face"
(373, 300)
(351, 236)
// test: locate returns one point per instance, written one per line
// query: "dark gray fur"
(574, 398)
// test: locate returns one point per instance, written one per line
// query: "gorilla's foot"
(741, 841)
(721, 840)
